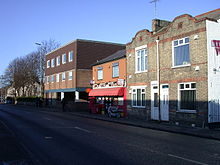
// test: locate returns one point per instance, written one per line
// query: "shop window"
(138, 97)
(115, 69)
(181, 54)
(187, 97)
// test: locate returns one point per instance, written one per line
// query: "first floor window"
(141, 60)
(138, 97)
(115, 69)
(58, 60)
(52, 78)
(48, 63)
(181, 55)
(187, 94)
(63, 76)
(70, 56)
(100, 73)
(70, 75)
(58, 77)
(63, 58)
(52, 62)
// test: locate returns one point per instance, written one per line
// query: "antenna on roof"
(155, 7)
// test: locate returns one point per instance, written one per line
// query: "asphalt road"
(55, 138)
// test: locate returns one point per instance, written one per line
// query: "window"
(58, 78)
(58, 60)
(181, 55)
(52, 78)
(63, 58)
(141, 59)
(70, 75)
(138, 97)
(52, 62)
(70, 56)
(48, 63)
(100, 73)
(63, 76)
(48, 79)
(187, 96)
(115, 69)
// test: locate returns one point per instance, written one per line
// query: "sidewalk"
(192, 131)
(11, 150)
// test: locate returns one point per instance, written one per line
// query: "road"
(55, 138)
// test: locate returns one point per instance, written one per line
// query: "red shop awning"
(119, 91)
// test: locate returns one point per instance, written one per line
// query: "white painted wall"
(213, 33)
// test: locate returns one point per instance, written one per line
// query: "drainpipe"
(158, 78)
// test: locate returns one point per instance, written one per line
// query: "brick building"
(68, 68)
(109, 82)
(181, 57)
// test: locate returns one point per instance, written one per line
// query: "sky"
(25, 22)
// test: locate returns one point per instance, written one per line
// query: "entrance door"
(164, 102)
(154, 101)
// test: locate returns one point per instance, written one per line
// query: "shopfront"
(111, 101)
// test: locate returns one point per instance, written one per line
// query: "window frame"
(64, 76)
(70, 77)
(137, 57)
(58, 60)
(186, 89)
(64, 61)
(48, 63)
(134, 92)
(52, 78)
(58, 77)
(53, 63)
(115, 64)
(173, 52)
(70, 53)
(99, 69)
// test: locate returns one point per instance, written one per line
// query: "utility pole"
(155, 7)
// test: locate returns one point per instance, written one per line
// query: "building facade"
(173, 71)
(68, 69)
(109, 83)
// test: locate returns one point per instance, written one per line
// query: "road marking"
(47, 118)
(48, 137)
(85, 130)
(189, 160)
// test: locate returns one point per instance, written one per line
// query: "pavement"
(12, 152)
(161, 126)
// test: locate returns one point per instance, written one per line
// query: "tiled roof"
(214, 14)
(117, 55)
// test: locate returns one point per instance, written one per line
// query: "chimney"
(158, 24)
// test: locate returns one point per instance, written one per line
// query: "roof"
(117, 55)
(214, 14)
(84, 40)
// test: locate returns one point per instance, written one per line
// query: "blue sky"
(24, 22)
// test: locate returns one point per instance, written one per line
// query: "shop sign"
(120, 82)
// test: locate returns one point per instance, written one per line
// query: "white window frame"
(64, 61)
(180, 44)
(48, 63)
(70, 58)
(137, 49)
(134, 91)
(179, 95)
(70, 75)
(63, 76)
(58, 60)
(99, 69)
(52, 78)
(48, 79)
(115, 64)
(58, 77)
(53, 63)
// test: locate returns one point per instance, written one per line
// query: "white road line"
(85, 130)
(189, 160)
(48, 137)
(47, 118)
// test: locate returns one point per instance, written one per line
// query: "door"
(164, 102)
(154, 101)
